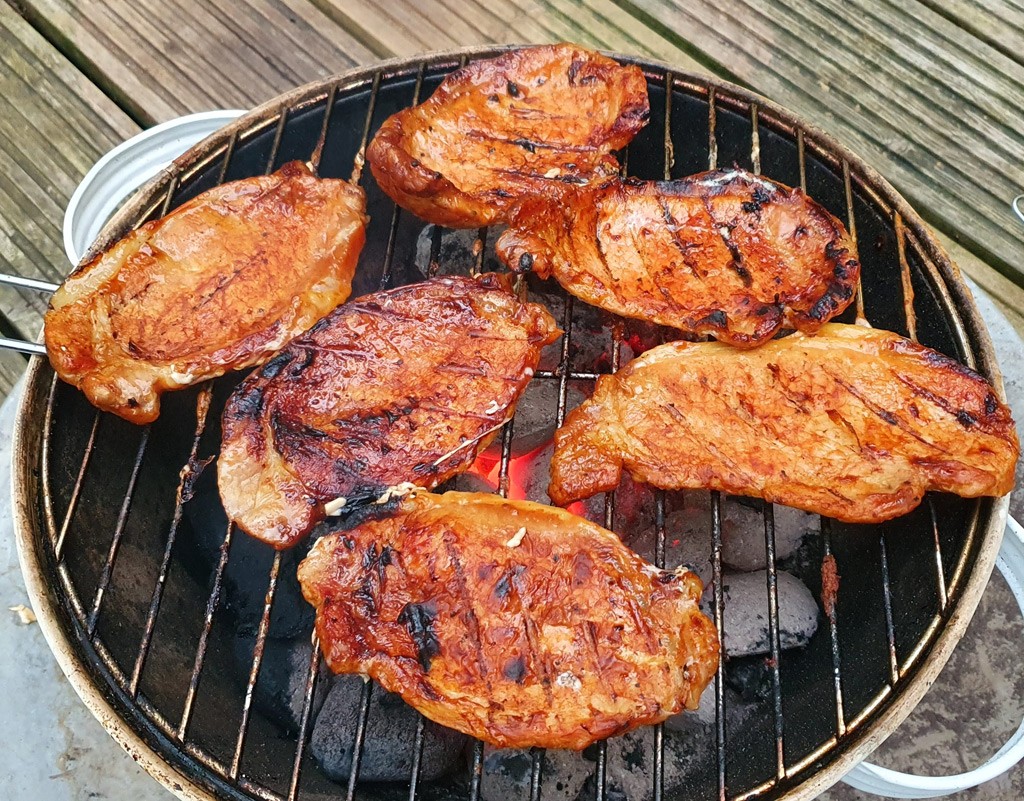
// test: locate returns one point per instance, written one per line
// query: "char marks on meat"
(724, 253)
(220, 283)
(514, 622)
(854, 423)
(401, 386)
(536, 120)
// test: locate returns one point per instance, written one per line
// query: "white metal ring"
(127, 167)
(893, 784)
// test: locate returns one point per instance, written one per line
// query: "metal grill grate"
(925, 297)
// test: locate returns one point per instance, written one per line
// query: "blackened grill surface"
(181, 618)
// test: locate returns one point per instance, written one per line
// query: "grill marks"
(559, 641)
(724, 253)
(724, 230)
(219, 284)
(419, 620)
(361, 403)
(534, 120)
(682, 246)
(886, 421)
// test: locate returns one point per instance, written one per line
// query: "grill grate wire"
(562, 374)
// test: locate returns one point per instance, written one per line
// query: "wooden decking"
(931, 93)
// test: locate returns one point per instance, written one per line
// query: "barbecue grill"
(138, 622)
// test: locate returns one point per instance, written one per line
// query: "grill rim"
(969, 330)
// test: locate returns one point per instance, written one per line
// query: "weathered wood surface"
(930, 93)
(999, 23)
(410, 27)
(934, 108)
(160, 59)
(54, 124)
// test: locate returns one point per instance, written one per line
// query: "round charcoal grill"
(134, 591)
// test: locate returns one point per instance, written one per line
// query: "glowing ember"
(521, 470)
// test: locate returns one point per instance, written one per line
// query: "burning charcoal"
(280, 691)
(507, 774)
(634, 507)
(535, 418)
(743, 544)
(590, 349)
(688, 542)
(471, 482)
(742, 536)
(640, 336)
(390, 734)
(746, 613)
(532, 484)
(548, 294)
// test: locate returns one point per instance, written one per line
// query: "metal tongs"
(21, 345)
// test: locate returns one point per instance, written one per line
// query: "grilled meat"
(401, 386)
(728, 254)
(531, 121)
(853, 423)
(218, 284)
(511, 621)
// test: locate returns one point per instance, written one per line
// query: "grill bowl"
(112, 563)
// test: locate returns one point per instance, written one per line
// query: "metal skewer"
(28, 283)
(21, 345)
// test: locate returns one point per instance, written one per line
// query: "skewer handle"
(28, 283)
(21, 346)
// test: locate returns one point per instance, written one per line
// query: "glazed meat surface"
(406, 385)
(724, 253)
(219, 284)
(854, 423)
(514, 622)
(534, 120)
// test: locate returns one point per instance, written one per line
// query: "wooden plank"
(999, 23)
(159, 59)
(936, 110)
(163, 59)
(54, 124)
(410, 27)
